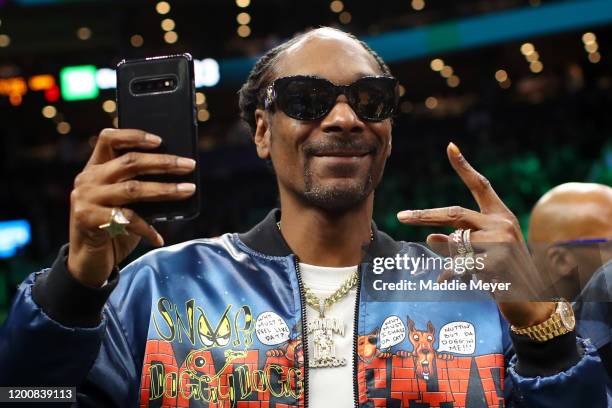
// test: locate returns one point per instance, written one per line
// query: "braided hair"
(252, 91)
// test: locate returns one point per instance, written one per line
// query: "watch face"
(567, 315)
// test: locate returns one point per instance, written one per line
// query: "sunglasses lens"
(373, 98)
(305, 98)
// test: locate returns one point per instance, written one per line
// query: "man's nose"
(342, 118)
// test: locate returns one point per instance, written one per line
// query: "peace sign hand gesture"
(507, 259)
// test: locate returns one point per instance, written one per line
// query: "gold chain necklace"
(324, 328)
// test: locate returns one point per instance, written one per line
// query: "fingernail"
(160, 240)
(404, 214)
(185, 163)
(153, 139)
(186, 187)
(454, 149)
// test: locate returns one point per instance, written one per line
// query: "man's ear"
(561, 261)
(262, 134)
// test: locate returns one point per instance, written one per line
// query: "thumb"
(439, 243)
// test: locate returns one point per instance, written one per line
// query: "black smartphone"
(157, 94)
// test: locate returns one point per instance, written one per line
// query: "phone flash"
(167, 83)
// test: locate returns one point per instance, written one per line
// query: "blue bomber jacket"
(220, 322)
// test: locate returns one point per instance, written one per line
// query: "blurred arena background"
(522, 86)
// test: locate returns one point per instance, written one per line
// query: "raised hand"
(495, 231)
(107, 181)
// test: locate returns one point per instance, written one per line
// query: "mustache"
(335, 145)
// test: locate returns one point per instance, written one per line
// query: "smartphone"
(157, 94)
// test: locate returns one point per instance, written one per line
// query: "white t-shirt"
(332, 386)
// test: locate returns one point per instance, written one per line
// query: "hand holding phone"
(147, 169)
(109, 180)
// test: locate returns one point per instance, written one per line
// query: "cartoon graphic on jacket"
(219, 323)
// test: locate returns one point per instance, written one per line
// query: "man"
(570, 234)
(287, 314)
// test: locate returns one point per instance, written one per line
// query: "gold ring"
(116, 223)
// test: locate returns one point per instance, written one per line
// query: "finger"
(455, 216)
(136, 191)
(134, 164)
(487, 199)
(439, 243)
(98, 215)
(140, 227)
(111, 140)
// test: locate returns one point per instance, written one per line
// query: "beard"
(346, 195)
(336, 198)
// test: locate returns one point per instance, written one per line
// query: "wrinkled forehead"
(327, 54)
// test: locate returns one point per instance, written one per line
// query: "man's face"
(334, 162)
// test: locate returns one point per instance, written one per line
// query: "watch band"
(548, 329)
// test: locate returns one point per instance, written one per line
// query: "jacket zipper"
(355, 342)
(304, 334)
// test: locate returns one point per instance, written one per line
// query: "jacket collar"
(267, 239)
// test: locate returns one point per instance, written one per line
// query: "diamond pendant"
(323, 330)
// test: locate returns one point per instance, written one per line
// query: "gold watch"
(560, 322)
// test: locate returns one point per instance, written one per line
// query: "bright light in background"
(200, 98)
(536, 67)
(501, 75)
(136, 40)
(589, 38)
(168, 24)
(83, 33)
(527, 49)
(78, 83)
(447, 71)
(41, 82)
(418, 4)
(49, 111)
(431, 102)
(203, 115)
(437, 64)
(5, 40)
(591, 47)
(106, 78)
(109, 106)
(336, 6)
(533, 57)
(13, 236)
(171, 37)
(243, 18)
(345, 17)
(243, 3)
(243, 31)
(594, 57)
(453, 81)
(206, 72)
(163, 7)
(63, 128)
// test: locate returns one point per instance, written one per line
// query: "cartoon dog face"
(366, 346)
(423, 352)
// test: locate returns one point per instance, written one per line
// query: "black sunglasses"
(373, 98)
